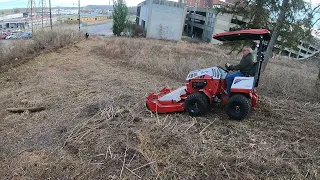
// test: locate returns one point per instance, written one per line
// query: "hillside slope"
(95, 125)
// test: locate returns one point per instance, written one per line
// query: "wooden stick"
(124, 161)
(205, 128)
(133, 173)
(21, 110)
(143, 166)
(226, 171)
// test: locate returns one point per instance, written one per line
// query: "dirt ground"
(95, 126)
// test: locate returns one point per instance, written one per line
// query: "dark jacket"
(245, 64)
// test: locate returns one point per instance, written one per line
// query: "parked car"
(11, 36)
(3, 36)
(25, 35)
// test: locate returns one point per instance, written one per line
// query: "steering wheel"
(223, 68)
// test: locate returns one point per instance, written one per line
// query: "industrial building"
(84, 18)
(167, 20)
(206, 3)
(162, 19)
(203, 23)
(13, 25)
(305, 50)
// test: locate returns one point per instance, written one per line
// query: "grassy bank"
(282, 78)
(14, 52)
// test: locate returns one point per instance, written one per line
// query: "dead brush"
(282, 78)
(106, 112)
(16, 51)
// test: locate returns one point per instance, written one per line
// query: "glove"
(227, 65)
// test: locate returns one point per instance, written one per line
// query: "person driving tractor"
(243, 67)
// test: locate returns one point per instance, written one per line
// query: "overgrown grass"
(96, 125)
(15, 51)
(282, 78)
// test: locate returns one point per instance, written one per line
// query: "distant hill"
(98, 7)
(131, 9)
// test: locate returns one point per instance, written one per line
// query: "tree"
(120, 12)
(288, 21)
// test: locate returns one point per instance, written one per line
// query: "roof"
(248, 34)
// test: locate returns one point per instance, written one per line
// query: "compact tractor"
(207, 86)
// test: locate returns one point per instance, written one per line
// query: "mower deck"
(167, 100)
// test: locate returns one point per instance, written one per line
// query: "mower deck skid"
(167, 100)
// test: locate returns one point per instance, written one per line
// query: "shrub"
(20, 49)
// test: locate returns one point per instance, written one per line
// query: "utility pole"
(109, 8)
(79, 14)
(31, 17)
(43, 7)
(31, 8)
(50, 14)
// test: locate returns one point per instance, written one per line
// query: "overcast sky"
(5, 4)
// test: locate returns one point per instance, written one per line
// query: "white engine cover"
(174, 95)
(214, 72)
(242, 83)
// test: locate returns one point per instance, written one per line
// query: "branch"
(21, 110)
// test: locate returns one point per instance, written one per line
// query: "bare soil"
(96, 126)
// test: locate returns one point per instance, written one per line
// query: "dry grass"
(283, 78)
(96, 126)
(14, 52)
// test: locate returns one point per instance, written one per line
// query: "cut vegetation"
(95, 124)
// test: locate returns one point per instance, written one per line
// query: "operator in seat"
(243, 67)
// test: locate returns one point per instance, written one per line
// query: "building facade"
(203, 23)
(162, 19)
(206, 3)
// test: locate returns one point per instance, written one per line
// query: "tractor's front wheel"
(196, 104)
(238, 107)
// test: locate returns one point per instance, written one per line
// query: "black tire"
(147, 106)
(238, 107)
(196, 104)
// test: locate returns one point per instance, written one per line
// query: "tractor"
(205, 86)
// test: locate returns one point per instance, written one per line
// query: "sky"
(8, 4)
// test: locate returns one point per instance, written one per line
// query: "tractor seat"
(253, 70)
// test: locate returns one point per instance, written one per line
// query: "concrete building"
(84, 18)
(12, 25)
(305, 50)
(203, 23)
(206, 3)
(11, 16)
(162, 19)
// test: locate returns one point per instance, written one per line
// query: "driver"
(243, 67)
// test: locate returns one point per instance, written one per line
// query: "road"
(101, 29)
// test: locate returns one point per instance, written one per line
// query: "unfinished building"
(304, 51)
(161, 19)
(203, 23)
(206, 3)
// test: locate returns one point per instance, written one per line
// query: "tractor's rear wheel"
(238, 107)
(196, 104)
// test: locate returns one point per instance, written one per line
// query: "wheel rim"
(194, 107)
(237, 109)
